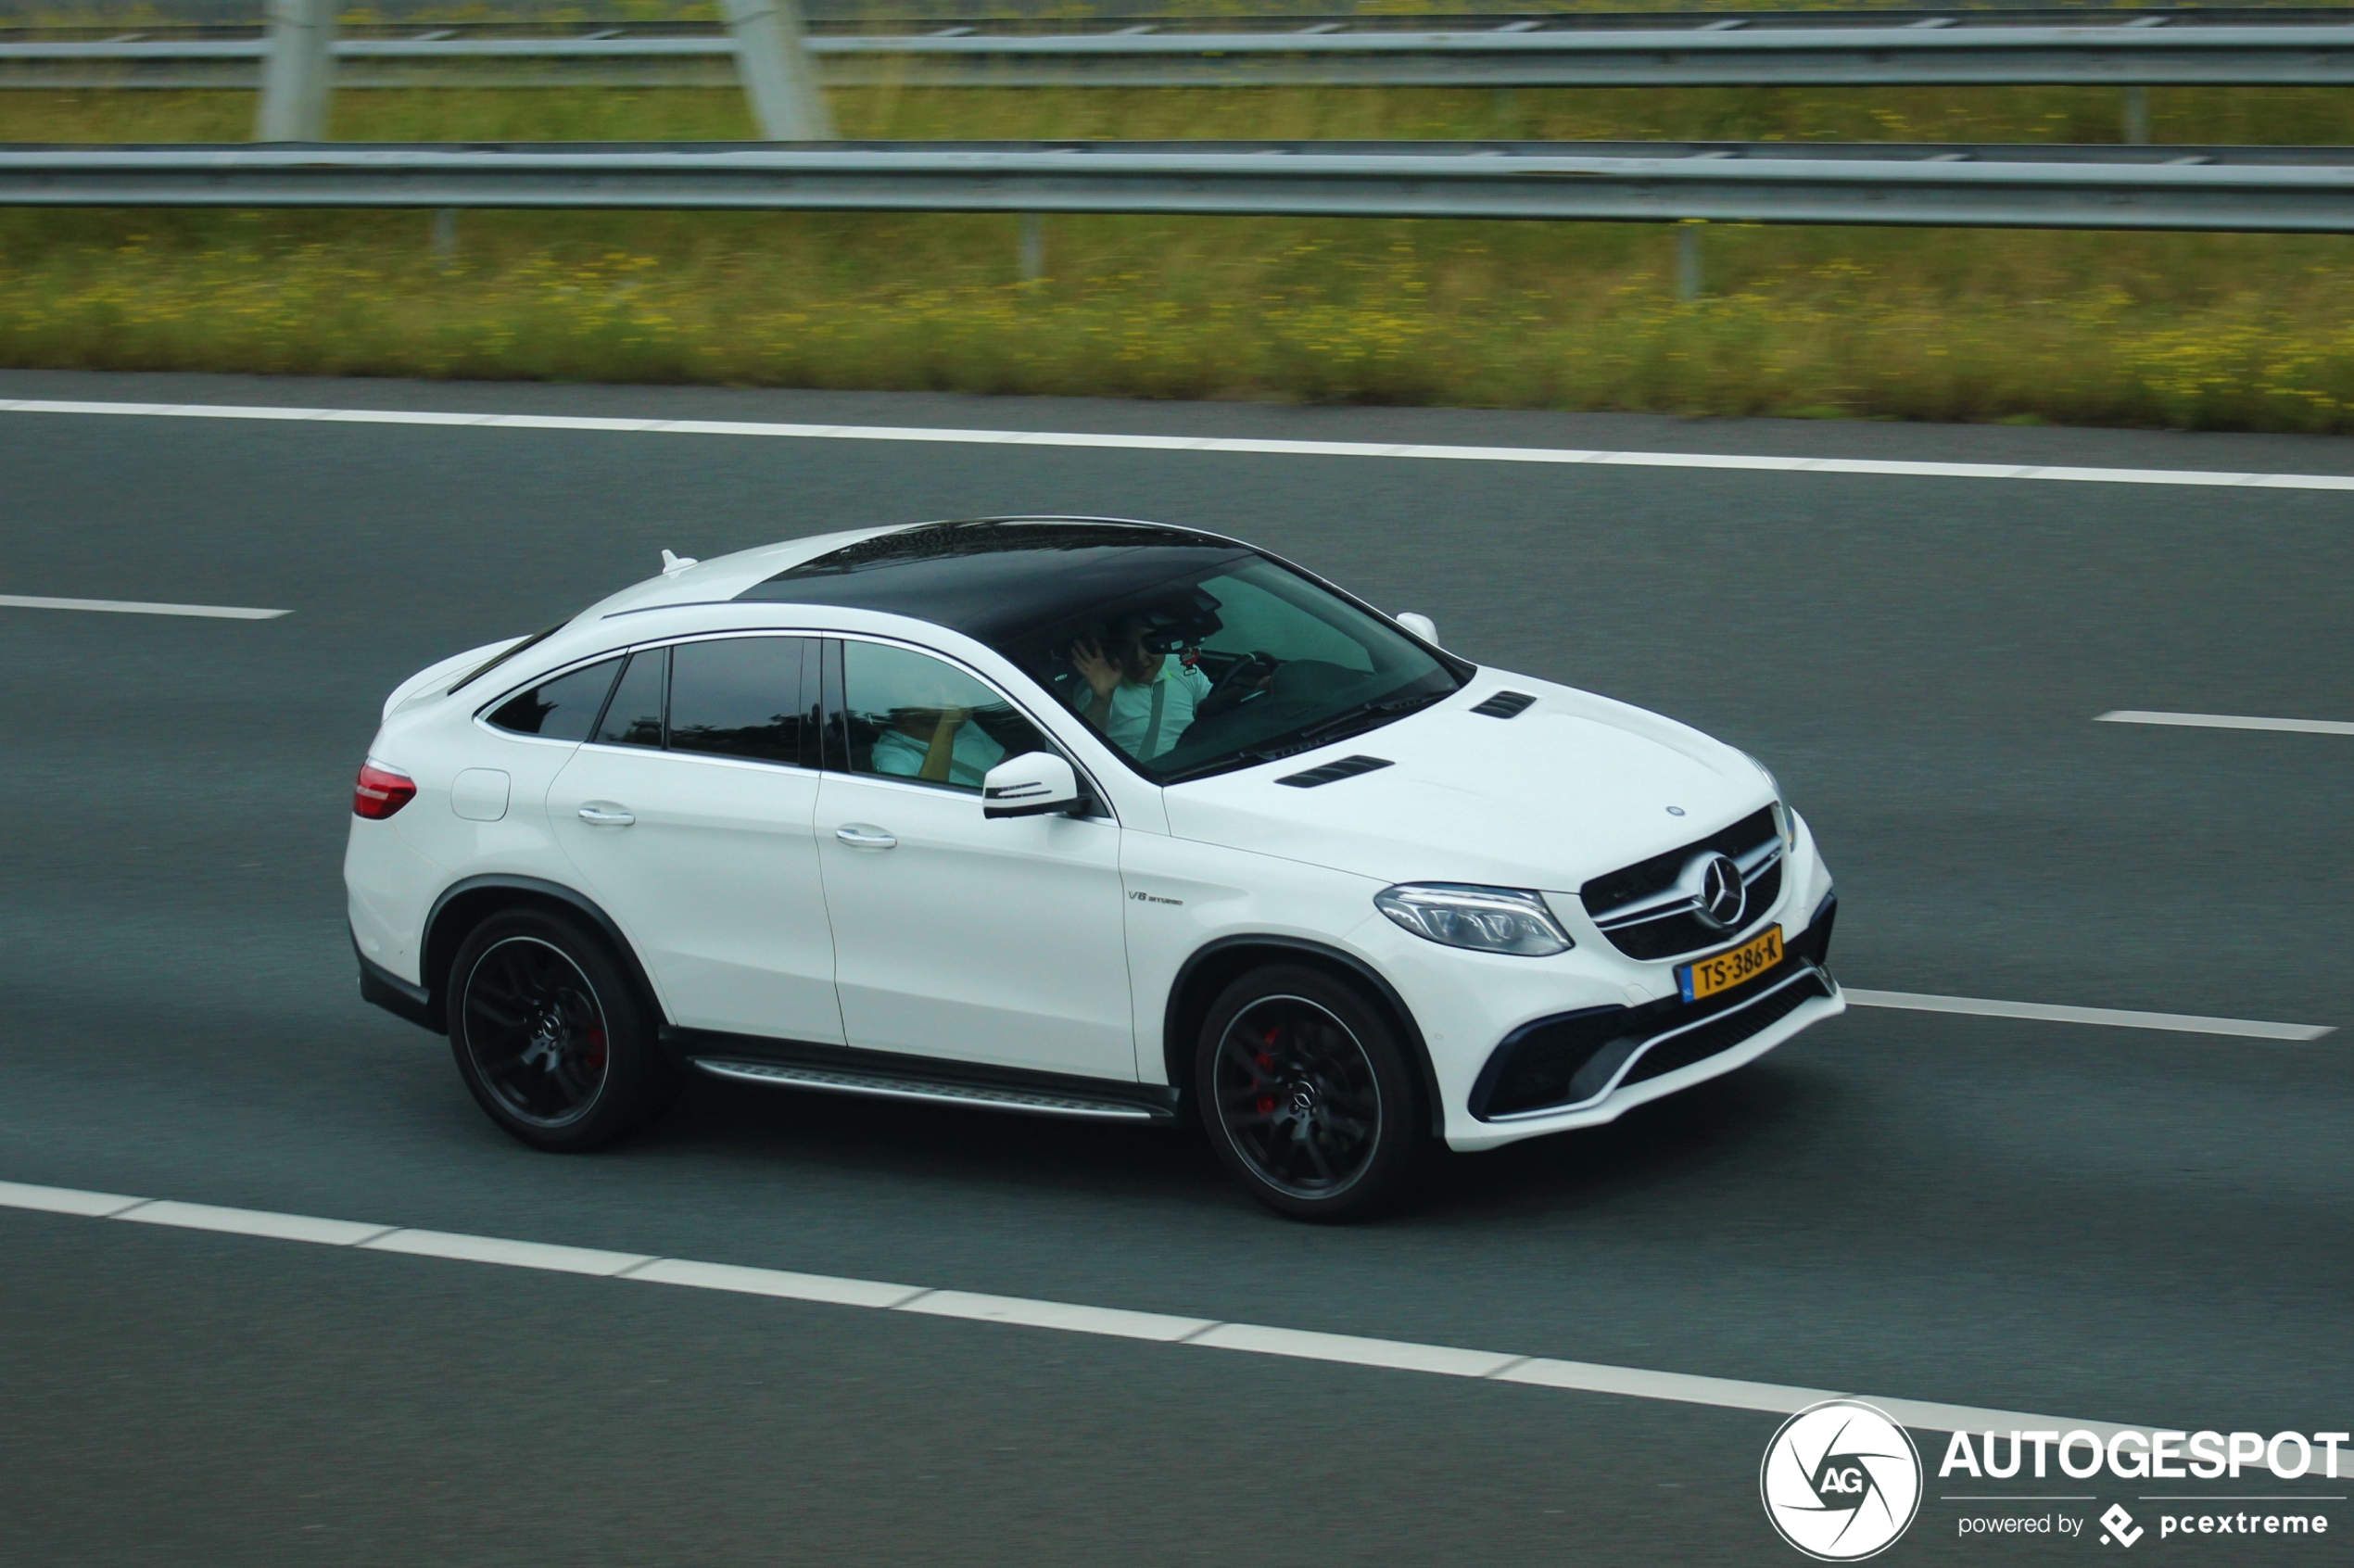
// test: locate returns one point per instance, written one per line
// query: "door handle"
(606, 816)
(859, 835)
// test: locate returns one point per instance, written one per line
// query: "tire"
(550, 1035)
(1308, 1096)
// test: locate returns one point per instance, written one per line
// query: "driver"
(1143, 701)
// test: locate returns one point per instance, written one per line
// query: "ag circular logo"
(1840, 1481)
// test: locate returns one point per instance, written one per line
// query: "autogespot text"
(2146, 1456)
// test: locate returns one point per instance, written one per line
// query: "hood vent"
(1505, 705)
(1348, 767)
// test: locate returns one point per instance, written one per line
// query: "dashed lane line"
(2114, 1017)
(2226, 721)
(1736, 461)
(1059, 1316)
(138, 607)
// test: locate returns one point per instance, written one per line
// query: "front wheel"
(550, 1036)
(1308, 1096)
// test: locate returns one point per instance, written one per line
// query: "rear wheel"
(1308, 1096)
(551, 1037)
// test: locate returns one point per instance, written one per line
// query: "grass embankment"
(2226, 332)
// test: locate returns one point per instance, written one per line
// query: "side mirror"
(1034, 784)
(1421, 625)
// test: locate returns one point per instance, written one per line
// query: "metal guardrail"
(1756, 50)
(2284, 189)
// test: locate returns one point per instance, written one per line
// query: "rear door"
(689, 814)
(993, 941)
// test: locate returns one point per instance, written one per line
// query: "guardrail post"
(777, 74)
(1033, 247)
(299, 72)
(1688, 261)
(2137, 117)
(445, 235)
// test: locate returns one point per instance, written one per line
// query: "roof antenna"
(674, 564)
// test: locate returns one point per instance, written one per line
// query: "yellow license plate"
(1722, 972)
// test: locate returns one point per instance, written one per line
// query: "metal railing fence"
(1763, 49)
(2276, 189)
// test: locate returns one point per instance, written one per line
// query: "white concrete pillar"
(779, 75)
(298, 75)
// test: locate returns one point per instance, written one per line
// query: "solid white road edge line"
(2115, 1017)
(1585, 1377)
(138, 607)
(2226, 721)
(1200, 444)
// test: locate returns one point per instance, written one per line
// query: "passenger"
(1143, 701)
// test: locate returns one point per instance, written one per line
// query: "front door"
(957, 937)
(690, 815)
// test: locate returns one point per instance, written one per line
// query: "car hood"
(1575, 786)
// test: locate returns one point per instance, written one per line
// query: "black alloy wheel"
(1308, 1096)
(550, 1037)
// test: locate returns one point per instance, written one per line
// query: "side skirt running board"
(982, 1096)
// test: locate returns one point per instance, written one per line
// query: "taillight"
(380, 791)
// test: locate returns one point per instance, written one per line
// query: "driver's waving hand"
(1143, 701)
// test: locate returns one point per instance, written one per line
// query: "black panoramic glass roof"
(999, 580)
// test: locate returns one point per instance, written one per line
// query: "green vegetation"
(2224, 331)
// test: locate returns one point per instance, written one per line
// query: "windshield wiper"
(1249, 756)
(1339, 728)
(1380, 711)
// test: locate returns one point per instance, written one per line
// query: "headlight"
(1785, 820)
(1486, 919)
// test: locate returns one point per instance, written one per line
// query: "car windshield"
(1190, 654)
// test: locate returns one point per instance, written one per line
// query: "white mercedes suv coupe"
(1079, 817)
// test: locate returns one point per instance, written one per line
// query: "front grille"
(1617, 900)
(1571, 1059)
(1658, 874)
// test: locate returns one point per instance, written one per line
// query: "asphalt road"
(2111, 1225)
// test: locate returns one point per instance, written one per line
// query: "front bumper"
(1575, 1061)
(1617, 1029)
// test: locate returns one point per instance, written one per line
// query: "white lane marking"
(775, 1281)
(1054, 1316)
(253, 1222)
(1352, 1351)
(2226, 721)
(2076, 474)
(1115, 1321)
(65, 1200)
(138, 607)
(508, 1254)
(2115, 1017)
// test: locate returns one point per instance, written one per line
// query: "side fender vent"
(1348, 767)
(1506, 704)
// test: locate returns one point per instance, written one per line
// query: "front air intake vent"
(1506, 704)
(1348, 767)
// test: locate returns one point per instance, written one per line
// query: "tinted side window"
(634, 716)
(561, 709)
(739, 697)
(909, 716)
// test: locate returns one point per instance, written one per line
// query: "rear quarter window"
(561, 709)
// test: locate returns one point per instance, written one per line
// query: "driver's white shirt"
(1132, 708)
